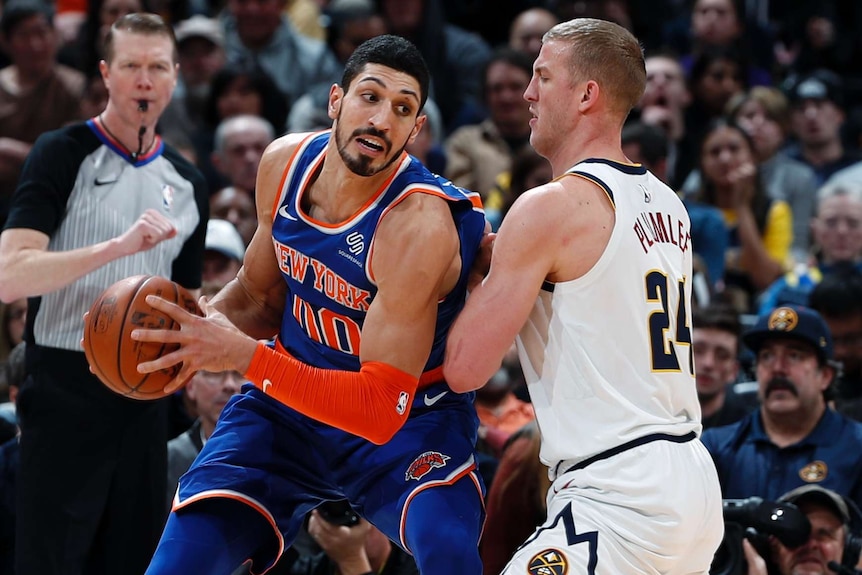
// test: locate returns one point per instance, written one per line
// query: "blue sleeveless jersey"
(327, 266)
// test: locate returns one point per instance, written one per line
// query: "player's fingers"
(173, 311)
(163, 362)
(157, 335)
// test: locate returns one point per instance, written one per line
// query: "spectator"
(238, 208)
(235, 92)
(455, 57)
(715, 344)
(816, 118)
(759, 229)
(516, 499)
(200, 45)
(223, 254)
(85, 51)
(791, 439)
(477, 154)
(837, 231)
(717, 75)
(208, 392)
(13, 318)
(92, 471)
(36, 93)
(239, 145)
(259, 35)
(838, 298)
(351, 549)
(529, 170)
(664, 103)
(834, 538)
(527, 30)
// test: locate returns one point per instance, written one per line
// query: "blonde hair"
(606, 53)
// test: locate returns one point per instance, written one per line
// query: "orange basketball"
(113, 354)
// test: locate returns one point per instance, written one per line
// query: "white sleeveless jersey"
(607, 356)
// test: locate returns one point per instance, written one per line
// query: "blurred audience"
(223, 252)
(237, 207)
(527, 30)
(477, 154)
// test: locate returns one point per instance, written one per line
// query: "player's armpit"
(372, 403)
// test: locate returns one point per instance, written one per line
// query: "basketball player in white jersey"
(592, 272)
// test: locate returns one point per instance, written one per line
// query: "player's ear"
(417, 127)
(336, 94)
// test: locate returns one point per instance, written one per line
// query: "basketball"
(113, 354)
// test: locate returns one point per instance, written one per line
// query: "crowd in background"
(752, 112)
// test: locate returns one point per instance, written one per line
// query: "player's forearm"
(250, 314)
(372, 403)
(31, 272)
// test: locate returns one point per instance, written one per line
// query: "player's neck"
(338, 193)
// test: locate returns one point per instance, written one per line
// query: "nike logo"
(429, 401)
(99, 182)
(266, 385)
(282, 211)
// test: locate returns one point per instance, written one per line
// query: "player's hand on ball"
(208, 343)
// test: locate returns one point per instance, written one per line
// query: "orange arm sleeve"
(372, 403)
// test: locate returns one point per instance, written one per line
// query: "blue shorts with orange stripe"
(284, 464)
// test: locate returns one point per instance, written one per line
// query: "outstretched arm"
(29, 269)
(555, 232)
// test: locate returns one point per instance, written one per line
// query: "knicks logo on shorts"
(548, 562)
(423, 465)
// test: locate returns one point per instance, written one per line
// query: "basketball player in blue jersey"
(357, 269)
(592, 273)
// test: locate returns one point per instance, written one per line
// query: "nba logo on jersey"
(167, 197)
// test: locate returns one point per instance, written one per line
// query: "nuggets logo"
(423, 465)
(814, 472)
(783, 319)
(548, 562)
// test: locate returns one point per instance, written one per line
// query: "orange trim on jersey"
(469, 469)
(477, 203)
(242, 498)
(362, 209)
(280, 195)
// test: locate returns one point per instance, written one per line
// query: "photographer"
(831, 546)
(351, 546)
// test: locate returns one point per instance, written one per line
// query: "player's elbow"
(384, 432)
(460, 379)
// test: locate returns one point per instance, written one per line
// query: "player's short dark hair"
(393, 52)
(139, 23)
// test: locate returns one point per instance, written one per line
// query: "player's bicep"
(415, 251)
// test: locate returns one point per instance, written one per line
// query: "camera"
(755, 519)
(338, 513)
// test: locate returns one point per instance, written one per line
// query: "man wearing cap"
(223, 254)
(816, 117)
(794, 438)
(200, 47)
(828, 548)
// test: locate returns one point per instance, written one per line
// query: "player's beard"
(361, 164)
